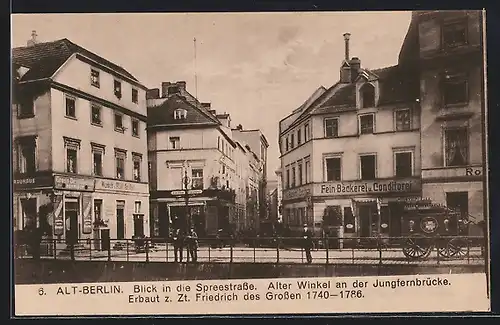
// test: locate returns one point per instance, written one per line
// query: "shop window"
(332, 216)
(385, 219)
(29, 213)
(349, 221)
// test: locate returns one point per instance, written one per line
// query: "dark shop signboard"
(23, 183)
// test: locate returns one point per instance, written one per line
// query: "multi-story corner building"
(351, 150)
(258, 144)
(448, 48)
(200, 175)
(79, 132)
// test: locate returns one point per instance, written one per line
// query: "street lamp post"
(186, 197)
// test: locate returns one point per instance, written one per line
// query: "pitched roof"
(396, 84)
(163, 114)
(288, 120)
(43, 59)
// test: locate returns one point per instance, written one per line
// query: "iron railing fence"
(453, 250)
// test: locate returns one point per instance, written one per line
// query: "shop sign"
(111, 185)
(73, 183)
(349, 188)
(32, 182)
(466, 173)
(297, 193)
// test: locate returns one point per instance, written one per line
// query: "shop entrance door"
(139, 226)
(71, 210)
(29, 213)
(368, 219)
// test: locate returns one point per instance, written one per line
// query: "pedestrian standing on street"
(308, 243)
(192, 245)
(178, 245)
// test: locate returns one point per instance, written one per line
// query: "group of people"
(188, 240)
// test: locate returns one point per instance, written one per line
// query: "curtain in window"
(456, 153)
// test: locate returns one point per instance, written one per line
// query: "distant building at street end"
(259, 145)
(193, 148)
(79, 132)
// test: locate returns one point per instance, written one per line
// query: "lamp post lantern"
(186, 197)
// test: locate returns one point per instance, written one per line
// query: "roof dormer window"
(367, 95)
(180, 114)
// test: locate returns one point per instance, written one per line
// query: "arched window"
(367, 93)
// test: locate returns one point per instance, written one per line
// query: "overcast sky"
(258, 67)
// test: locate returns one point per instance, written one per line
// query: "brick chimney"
(181, 85)
(345, 69)
(213, 112)
(33, 40)
(206, 106)
(239, 127)
(355, 64)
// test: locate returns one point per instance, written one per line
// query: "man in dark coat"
(192, 245)
(178, 240)
(308, 243)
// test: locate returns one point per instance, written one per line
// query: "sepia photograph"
(255, 156)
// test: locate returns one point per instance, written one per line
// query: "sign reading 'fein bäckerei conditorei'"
(367, 187)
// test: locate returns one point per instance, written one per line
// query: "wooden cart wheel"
(417, 247)
(457, 247)
(444, 248)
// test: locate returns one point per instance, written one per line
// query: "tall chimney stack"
(33, 39)
(347, 36)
